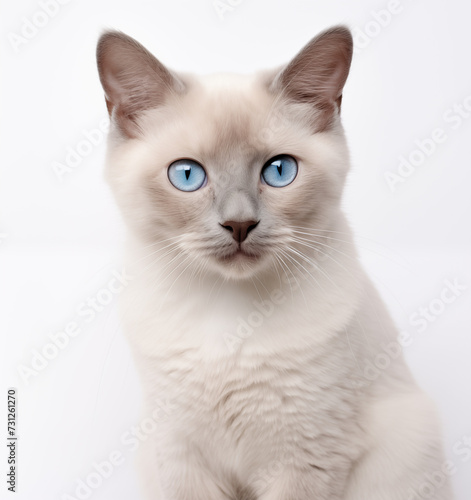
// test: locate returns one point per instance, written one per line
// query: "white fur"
(288, 412)
(293, 394)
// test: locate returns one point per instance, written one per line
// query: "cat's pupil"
(279, 167)
(187, 172)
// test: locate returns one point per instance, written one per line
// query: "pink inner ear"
(334, 89)
(113, 88)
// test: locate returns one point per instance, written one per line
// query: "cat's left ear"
(318, 73)
(133, 80)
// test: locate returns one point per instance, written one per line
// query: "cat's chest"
(291, 397)
(244, 386)
(247, 412)
(237, 359)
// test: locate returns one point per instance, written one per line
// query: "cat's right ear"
(133, 80)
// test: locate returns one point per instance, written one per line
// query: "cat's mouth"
(239, 254)
(239, 261)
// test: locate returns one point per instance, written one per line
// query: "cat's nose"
(240, 229)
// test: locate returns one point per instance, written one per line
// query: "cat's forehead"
(226, 82)
(232, 102)
(224, 119)
(230, 114)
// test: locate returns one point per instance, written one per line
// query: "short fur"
(260, 359)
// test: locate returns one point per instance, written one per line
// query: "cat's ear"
(317, 74)
(133, 79)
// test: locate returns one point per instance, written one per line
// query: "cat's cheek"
(300, 204)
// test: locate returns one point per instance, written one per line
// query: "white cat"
(249, 314)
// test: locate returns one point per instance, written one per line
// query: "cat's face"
(226, 168)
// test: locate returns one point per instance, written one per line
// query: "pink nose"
(240, 229)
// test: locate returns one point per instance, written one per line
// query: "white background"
(61, 238)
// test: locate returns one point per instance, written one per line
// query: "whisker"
(283, 267)
(168, 276)
(291, 259)
(261, 282)
(327, 254)
(214, 285)
(361, 246)
(175, 280)
(159, 258)
(310, 262)
(315, 232)
(344, 329)
(277, 273)
(253, 282)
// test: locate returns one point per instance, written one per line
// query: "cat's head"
(226, 168)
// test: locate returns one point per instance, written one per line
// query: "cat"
(250, 318)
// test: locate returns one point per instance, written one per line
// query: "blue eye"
(280, 171)
(186, 175)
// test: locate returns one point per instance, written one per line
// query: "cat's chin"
(240, 264)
